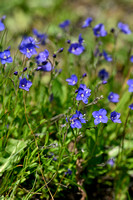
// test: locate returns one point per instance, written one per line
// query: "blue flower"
(131, 106)
(124, 28)
(100, 116)
(83, 93)
(103, 74)
(42, 37)
(131, 59)
(77, 48)
(111, 162)
(77, 119)
(73, 80)
(28, 46)
(5, 57)
(130, 83)
(68, 172)
(2, 26)
(113, 97)
(25, 84)
(114, 116)
(46, 66)
(64, 24)
(42, 57)
(87, 22)
(99, 30)
(16, 73)
(107, 57)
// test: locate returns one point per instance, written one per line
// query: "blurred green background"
(22, 15)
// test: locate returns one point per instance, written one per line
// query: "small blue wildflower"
(73, 80)
(25, 84)
(42, 57)
(2, 26)
(83, 93)
(24, 69)
(5, 57)
(77, 119)
(124, 28)
(104, 82)
(103, 74)
(64, 24)
(107, 57)
(46, 66)
(113, 97)
(131, 106)
(68, 41)
(87, 22)
(84, 75)
(131, 59)
(111, 162)
(77, 48)
(114, 116)
(99, 30)
(60, 50)
(100, 116)
(68, 172)
(130, 83)
(42, 37)
(16, 73)
(27, 46)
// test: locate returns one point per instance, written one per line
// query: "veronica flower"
(42, 57)
(77, 48)
(111, 162)
(113, 97)
(100, 116)
(103, 74)
(73, 80)
(5, 57)
(25, 84)
(131, 106)
(28, 46)
(64, 24)
(42, 37)
(83, 93)
(107, 57)
(130, 83)
(114, 116)
(131, 59)
(124, 28)
(77, 119)
(2, 26)
(99, 30)
(46, 66)
(87, 22)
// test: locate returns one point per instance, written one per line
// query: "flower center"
(5, 57)
(28, 50)
(82, 95)
(74, 82)
(100, 116)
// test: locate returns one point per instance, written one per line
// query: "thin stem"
(36, 146)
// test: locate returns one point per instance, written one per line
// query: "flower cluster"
(83, 93)
(77, 119)
(42, 61)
